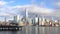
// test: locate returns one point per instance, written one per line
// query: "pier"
(10, 28)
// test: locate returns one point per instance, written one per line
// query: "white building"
(35, 20)
(42, 21)
(16, 18)
(26, 15)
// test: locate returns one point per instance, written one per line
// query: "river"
(34, 30)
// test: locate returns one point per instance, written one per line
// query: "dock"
(10, 28)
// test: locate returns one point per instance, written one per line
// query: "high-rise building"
(35, 20)
(42, 21)
(5, 19)
(30, 21)
(16, 18)
(26, 15)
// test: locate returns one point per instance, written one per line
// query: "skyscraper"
(16, 18)
(43, 21)
(35, 20)
(26, 15)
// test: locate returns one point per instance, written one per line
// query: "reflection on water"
(13, 32)
(34, 30)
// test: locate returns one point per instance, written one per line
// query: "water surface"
(34, 30)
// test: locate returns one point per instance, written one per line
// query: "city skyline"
(41, 7)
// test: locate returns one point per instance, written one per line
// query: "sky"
(9, 8)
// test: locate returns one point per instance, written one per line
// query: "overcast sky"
(42, 7)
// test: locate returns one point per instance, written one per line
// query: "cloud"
(37, 9)
(11, 2)
(33, 1)
(14, 10)
(34, 9)
(58, 3)
(4, 14)
(2, 3)
(1, 9)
